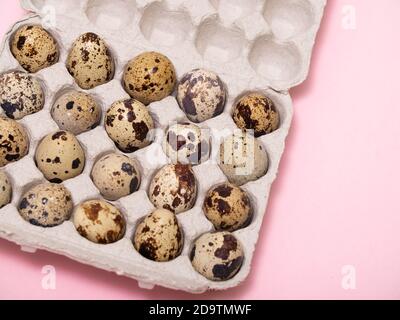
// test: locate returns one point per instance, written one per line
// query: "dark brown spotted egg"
(5, 189)
(228, 207)
(20, 95)
(129, 124)
(159, 237)
(90, 61)
(34, 48)
(99, 222)
(201, 95)
(46, 205)
(116, 176)
(258, 113)
(217, 256)
(76, 112)
(59, 156)
(174, 188)
(150, 77)
(14, 141)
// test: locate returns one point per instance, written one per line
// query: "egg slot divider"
(253, 45)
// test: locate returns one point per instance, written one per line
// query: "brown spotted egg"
(59, 156)
(34, 48)
(258, 113)
(186, 143)
(90, 61)
(217, 256)
(20, 95)
(14, 141)
(5, 189)
(174, 188)
(159, 237)
(228, 207)
(116, 176)
(99, 222)
(46, 205)
(150, 77)
(201, 95)
(76, 112)
(128, 123)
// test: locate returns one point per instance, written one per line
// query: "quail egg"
(128, 123)
(14, 141)
(159, 237)
(99, 222)
(60, 157)
(116, 176)
(46, 205)
(34, 48)
(174, 188)
(149, 77)
(217, 256)
(201, 95)
(243, 158)
(228, 207)
(256, 112)
(76, 112)
(90, 61)
(187, 144)
(5, 189)
(20, 95)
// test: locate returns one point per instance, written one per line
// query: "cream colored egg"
(14, 141)
(5, 189)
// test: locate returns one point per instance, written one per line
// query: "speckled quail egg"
(116, 176)
(46, 205)
(258, 113)
(60, 157)
(218, 256)
(228, 207)
(90, 61)
(201, 95)
(34, 48)
(243, 158)
(99, 222)
(187, 144)
(159, 237)
(76, 112)
(149, 77)
(14, 141)
(129, 123)
(5, 189)
(174, 188)
(20, 95)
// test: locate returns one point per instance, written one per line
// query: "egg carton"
(253, 45)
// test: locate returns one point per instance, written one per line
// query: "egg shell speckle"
(228, 207)
(60, 157)
(201, 95)
(76, 112)
(159, 237)
(174, 188)
(99, 222)
(34, 48)
(46, 205)
(149, 77)
(14, 141)
(20, 95)
(90, 61)
(243, 158)
(116, 176)
(217, 256)
(258, 113)
(5, 189)
(128, 123)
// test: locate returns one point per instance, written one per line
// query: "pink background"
(336, 201)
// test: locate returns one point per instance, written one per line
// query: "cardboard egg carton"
(253, 45)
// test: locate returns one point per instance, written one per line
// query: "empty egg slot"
(232, 10)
